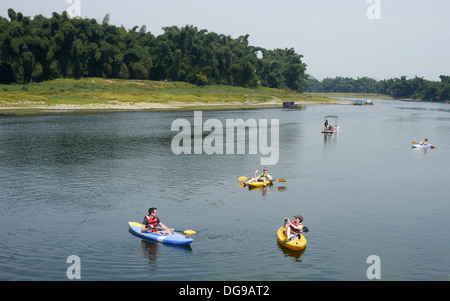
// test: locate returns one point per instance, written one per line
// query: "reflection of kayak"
(293, 244)
(259, 184)
(422, 146)
(175, 238)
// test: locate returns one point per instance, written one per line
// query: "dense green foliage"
(415, 88)
(38, 49)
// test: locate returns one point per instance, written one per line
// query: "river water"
(70, 183)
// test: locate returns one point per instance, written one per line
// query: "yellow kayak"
(259, 184)
(293, 244)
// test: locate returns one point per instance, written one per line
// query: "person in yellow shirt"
(263, 177)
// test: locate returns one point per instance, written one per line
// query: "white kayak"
(423, 146)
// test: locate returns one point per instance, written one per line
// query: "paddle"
(246, 179)
(304, 230)
(185, 232)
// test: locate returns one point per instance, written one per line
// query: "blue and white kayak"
(423, 146)
(175, 238)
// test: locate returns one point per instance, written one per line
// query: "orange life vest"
(152, 223)
(295, 231)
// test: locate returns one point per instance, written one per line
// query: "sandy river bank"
(38, 108)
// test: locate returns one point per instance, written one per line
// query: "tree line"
(403, 88)
(38, 49)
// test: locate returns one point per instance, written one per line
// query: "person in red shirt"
(293, 229)
(152, 223)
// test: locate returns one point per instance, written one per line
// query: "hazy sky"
(350, 38)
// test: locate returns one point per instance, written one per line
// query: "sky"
(380, 39)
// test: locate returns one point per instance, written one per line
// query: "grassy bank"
(98, 93)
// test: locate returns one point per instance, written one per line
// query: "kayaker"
(152, 223)
(263, 177)
(424, 142)
(293, 229)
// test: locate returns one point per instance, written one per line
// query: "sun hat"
(299, 216)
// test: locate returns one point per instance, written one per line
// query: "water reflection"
(151, 249)
(420, 150)
(264, 189)
(446, 110)
(329, 137)
(290, 253)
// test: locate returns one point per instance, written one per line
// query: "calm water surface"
(70, 183)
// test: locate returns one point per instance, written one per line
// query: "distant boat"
(332, 125)
(289, 104)
(360, 102)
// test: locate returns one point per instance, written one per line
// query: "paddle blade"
(189, 232)
(432, 146)
(280, 180)
(241, 184)
(414, 142)
(305, 229)
(242, 178)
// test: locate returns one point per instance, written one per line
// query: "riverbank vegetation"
(114, 92)
(39, 49)
(182, 60)
(400, 88)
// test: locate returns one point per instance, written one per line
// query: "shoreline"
(98, 95)
(41, 109)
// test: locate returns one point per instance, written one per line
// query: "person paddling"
(424, 142)
(293, 229)
(153, 224)
(263, 177)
